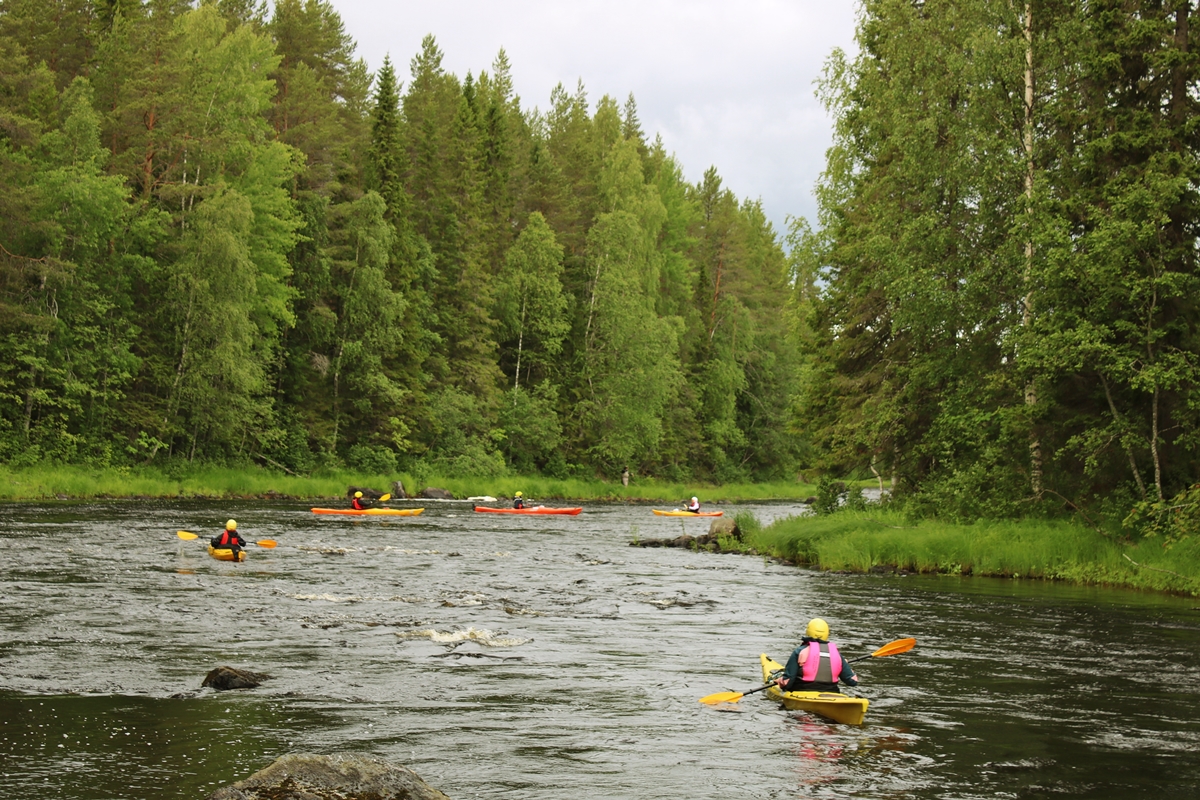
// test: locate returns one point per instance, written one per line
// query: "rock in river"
(338, 776)
(223, 678)
(434, 493)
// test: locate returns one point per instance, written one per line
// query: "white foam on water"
(483, 637)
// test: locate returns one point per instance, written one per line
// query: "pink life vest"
(822, 663)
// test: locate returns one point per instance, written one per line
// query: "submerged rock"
(338, 776)
(711, 541)
(223, 678)
(434, 493)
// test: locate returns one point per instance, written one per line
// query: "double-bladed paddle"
(187, 536)
(889, 649)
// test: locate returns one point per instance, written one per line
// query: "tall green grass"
(1040, 549)
(48, 481)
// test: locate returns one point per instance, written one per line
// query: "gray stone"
(338, 776)
(224, 678)
(433, 493)
(724, 526)
(398, 492)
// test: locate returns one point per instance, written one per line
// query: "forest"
(223, 239)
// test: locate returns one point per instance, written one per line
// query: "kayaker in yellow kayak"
(358, 503)
(230, 539)
(518, 500)
(694, 505)
(816, 665)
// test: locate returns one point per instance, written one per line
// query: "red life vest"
(229, 538)
(357, 505)
(822, 663)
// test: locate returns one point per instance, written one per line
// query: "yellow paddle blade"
(186, 536)
(893, 648)
(384, 498)
(722, 697)
(267, 543)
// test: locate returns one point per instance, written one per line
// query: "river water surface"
(543, 657)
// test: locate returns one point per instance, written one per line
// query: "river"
(543, 657)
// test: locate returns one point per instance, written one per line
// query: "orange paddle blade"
(267, 543)
(894, 648)
(186, 535)
(722, 697)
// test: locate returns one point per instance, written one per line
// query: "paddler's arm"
(848, 677)
(792, 669)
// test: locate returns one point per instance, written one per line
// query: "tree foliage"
(223, 239)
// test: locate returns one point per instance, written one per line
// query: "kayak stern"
(831, 705)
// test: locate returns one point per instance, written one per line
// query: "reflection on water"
(542, 657)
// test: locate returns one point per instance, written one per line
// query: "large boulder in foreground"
(338, 776)
(223, 678)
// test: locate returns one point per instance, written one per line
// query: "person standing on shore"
(625, 476)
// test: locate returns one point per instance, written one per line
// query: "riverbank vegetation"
(881, 539)
(202, 480)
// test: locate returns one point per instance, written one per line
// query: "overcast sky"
(726, 84)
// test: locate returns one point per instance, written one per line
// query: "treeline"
(1001, 301)
(223, 239)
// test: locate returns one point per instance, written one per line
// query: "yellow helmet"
(358, 494)
(231, 525)
(817, 629)
(518, 494)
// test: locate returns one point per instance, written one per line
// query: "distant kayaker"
(694, 506)
(816, 665)
(358, 504)
(231, 540)
(518, 500)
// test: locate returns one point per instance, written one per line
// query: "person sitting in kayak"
(358, 503)
(816, 665)
(694, 506)
(230, 539)
(518, 500)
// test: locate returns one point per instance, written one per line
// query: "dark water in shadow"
(542, 657)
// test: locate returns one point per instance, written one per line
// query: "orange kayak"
(534, 510)
(371, 512)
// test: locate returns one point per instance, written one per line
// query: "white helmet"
(695, 499)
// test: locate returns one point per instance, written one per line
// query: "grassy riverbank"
(79, 482)
(1052, 550)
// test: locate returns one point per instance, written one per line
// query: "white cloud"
(726, 84)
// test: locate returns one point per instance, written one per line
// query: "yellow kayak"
(837, 707)
(678, 513)
(225, 554)
(371, 512)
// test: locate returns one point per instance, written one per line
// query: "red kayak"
(534, 510)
